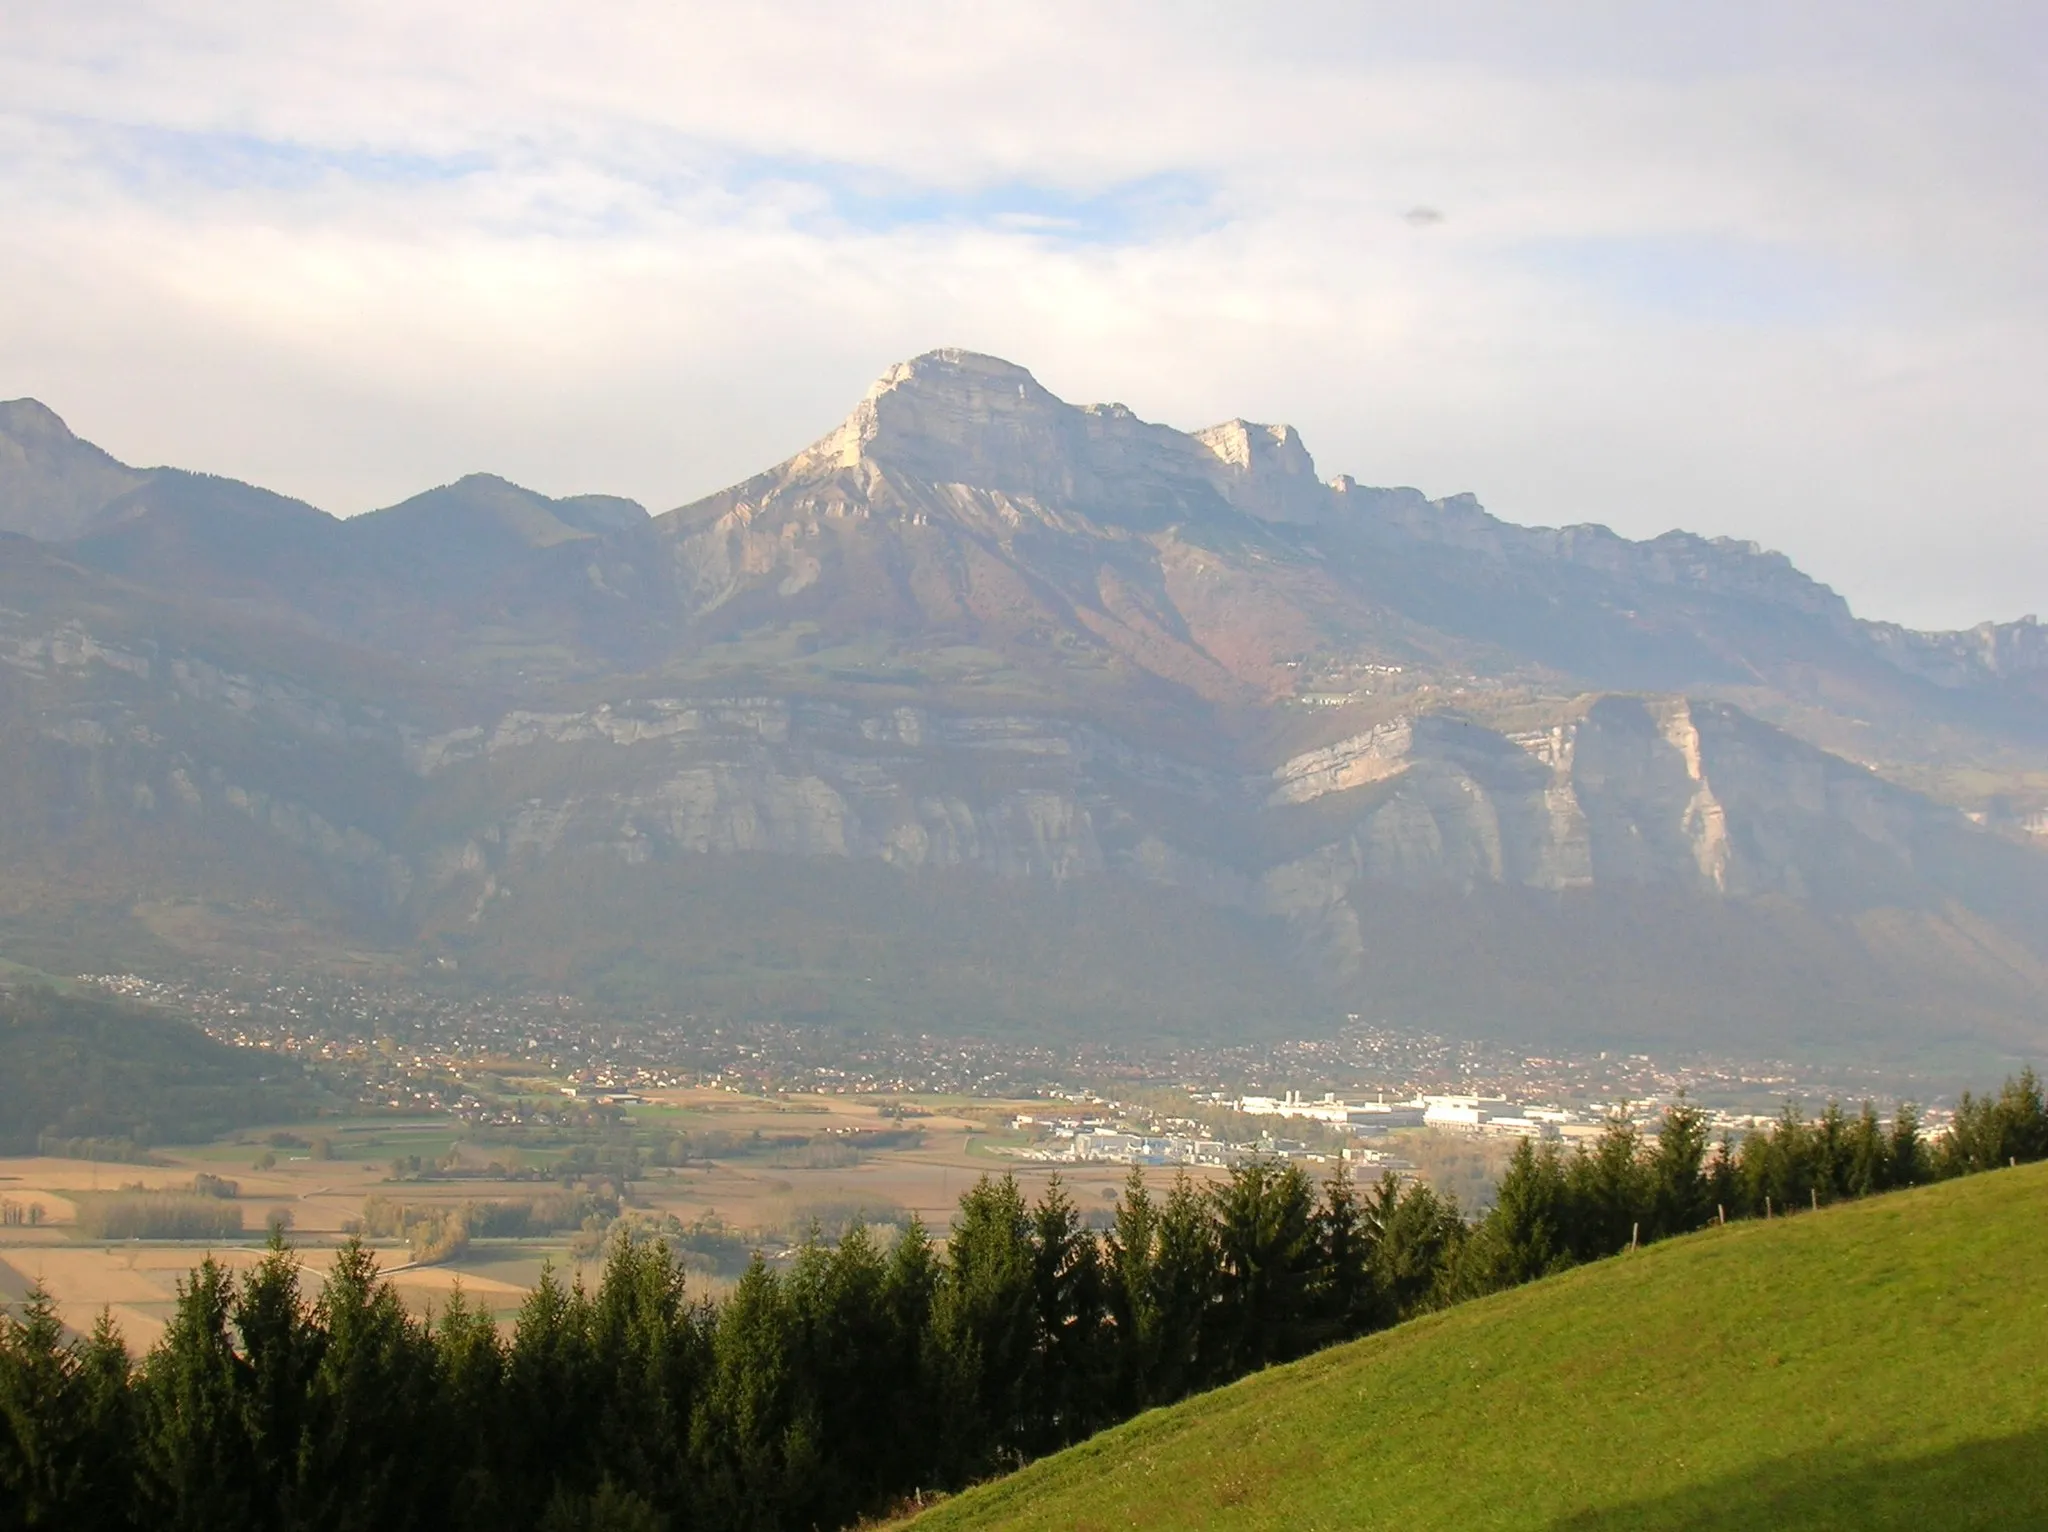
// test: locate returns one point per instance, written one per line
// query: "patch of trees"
(861, 1375)
(441, 1231)
(136, 1214)
(106, 1080)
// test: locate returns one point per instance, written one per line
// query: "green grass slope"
(1876, 1365)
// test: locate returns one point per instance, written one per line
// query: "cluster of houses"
(1112, 1139)
(1471, 1114)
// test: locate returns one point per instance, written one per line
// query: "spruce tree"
(648, 1354)
(1345, 1302)
(1185, 1282)
(1866, 1155)
(1910, 1164)
(909, 1366)
(1829, 1138)
(1129, 1257)
(1266, 1247)
(1610, 1191)
(1523, 1237)
(197, 1469)
(51, 1474)
(1416, 1236)
(471, 1368)
(985, 1325)
(1725, 1189)
(1068, 1290)
(753, 1449)
(551, 1395)
(281, 1348)
(842, 1331)
(370, 1462)
(104, 1380)
(1678, 1199)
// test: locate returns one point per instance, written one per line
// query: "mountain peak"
(1276, 477)
(961, 417)
(31, 420)
(485, 511)
(950, 415)
(52, 483)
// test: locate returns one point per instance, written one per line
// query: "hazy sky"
(1770, 270)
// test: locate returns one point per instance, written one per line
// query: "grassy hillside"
(1880, 1364)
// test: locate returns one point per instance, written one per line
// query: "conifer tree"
(2023, 1119)
(1777, 1167)
(1185, 1283)
(648, 1352)
(1067, 1286)
(985, 1324)
(1866, 1155)
(1266, 1247)
(551, 1395)
(197, 1469)
(55, 1426)
(1725, 1187)
(1610, 1191)
(1990, 1132)
(843, 1336)
(906, 1369)
(1678, 1202)
(1909, 1161)
(471, 1367)
(1345, 1302)
(1829, 1138)
(106, 1409)
(1523, 1237)
(281, 1348)
(606, 1509)
(753, 1448)
(1130, 1253)
(369, 1460)
(1416, 1236)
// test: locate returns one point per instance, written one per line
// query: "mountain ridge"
(1066, 664)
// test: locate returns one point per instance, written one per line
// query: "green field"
(1876, 1365)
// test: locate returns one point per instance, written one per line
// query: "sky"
(1771, 271)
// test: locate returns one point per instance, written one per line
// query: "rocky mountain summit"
(988, 710)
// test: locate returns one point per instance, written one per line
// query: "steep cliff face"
(990, 705)
(1689, 797)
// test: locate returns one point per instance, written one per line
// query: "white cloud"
(1747, 279)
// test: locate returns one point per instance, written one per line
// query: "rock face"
(987, 709)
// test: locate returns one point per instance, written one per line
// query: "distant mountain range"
(987, 711)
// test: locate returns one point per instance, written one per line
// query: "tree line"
(860, 1377)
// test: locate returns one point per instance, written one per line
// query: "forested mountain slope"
(107, 1079)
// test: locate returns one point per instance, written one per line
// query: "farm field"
(1879, 1364)
(764, 1198)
